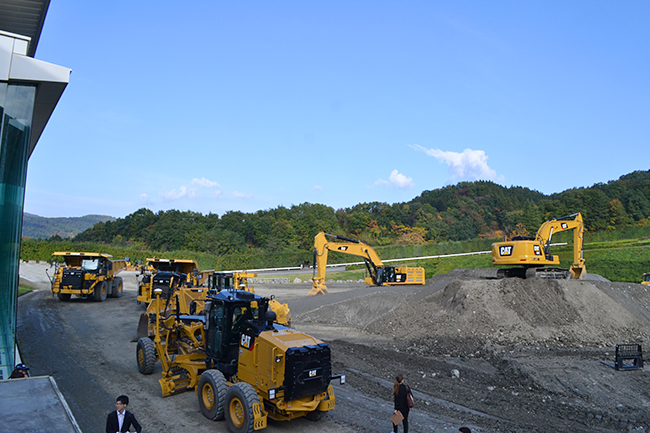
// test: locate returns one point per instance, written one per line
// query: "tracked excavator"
(379, 273)
(242, 366)
(531, 256)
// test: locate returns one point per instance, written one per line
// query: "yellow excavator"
(379, 273)
(532, 256)
(646, 280)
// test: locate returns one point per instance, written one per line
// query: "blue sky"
(214, 106)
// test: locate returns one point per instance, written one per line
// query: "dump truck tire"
(212, 394)
(239, 407)
(118, 287)
(101, 292)
(145, 353)
(64, 296)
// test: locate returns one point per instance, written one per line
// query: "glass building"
(29, 92)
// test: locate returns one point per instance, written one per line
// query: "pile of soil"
(460, 314)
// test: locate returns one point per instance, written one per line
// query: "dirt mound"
(461, 314)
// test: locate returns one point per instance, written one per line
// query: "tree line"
(467, 210)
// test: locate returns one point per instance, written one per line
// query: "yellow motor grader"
(86, 275)
(243, 366)
(190, 300)
(168, 274)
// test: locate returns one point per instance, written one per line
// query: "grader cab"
(242, 366)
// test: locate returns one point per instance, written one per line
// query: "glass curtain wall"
(16, 109)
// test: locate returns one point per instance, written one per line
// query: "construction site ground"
(506, 355)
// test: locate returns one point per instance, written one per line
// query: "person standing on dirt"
(400, 391)
(120, 420)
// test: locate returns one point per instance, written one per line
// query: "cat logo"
(312, 373)
(564, 226)
(343, 248)
(246, 342)
(505, 250)
(537, 250)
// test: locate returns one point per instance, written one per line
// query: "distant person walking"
(120, 420)
(400, 392)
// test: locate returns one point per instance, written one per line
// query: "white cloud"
(145, 197)
(242, 195)
(396, 179)
(174, 194)
(318, 188)
(468, 165)
(205, 183)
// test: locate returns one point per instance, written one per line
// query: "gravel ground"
(495, 355)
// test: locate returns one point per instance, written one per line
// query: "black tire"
(212, 390)
(145, 353)
(239, 407)
(315, 415)
(64, 297)
(117, 288)
(101, 292)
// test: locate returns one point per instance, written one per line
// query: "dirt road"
(504, 380)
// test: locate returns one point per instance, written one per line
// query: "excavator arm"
(350, 246)
(546, 231)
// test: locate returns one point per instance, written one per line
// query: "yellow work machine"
(86, 275)
(646, 280)
(168, 274)
(532, 256)
(243, 366)
(379, 273)
(183, 300)
(240, 281)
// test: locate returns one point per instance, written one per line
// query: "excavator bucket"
(321, 289)
(578, 271)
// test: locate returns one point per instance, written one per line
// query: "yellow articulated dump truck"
(242, 366)
(87, 275)
(169, 274)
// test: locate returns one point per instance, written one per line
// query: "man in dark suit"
(121, 419)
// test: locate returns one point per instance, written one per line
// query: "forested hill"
(467, 210)
(35, 226)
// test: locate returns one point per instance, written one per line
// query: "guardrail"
(334, 265)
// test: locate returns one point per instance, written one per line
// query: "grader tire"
(239, 407)
(118, 288)
(315, 415)
(212, 394)
(101, 292)
(145, 353)
(64, 296)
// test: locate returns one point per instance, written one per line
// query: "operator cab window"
(90, 264)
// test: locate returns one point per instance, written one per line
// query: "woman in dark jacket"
(399, 394)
